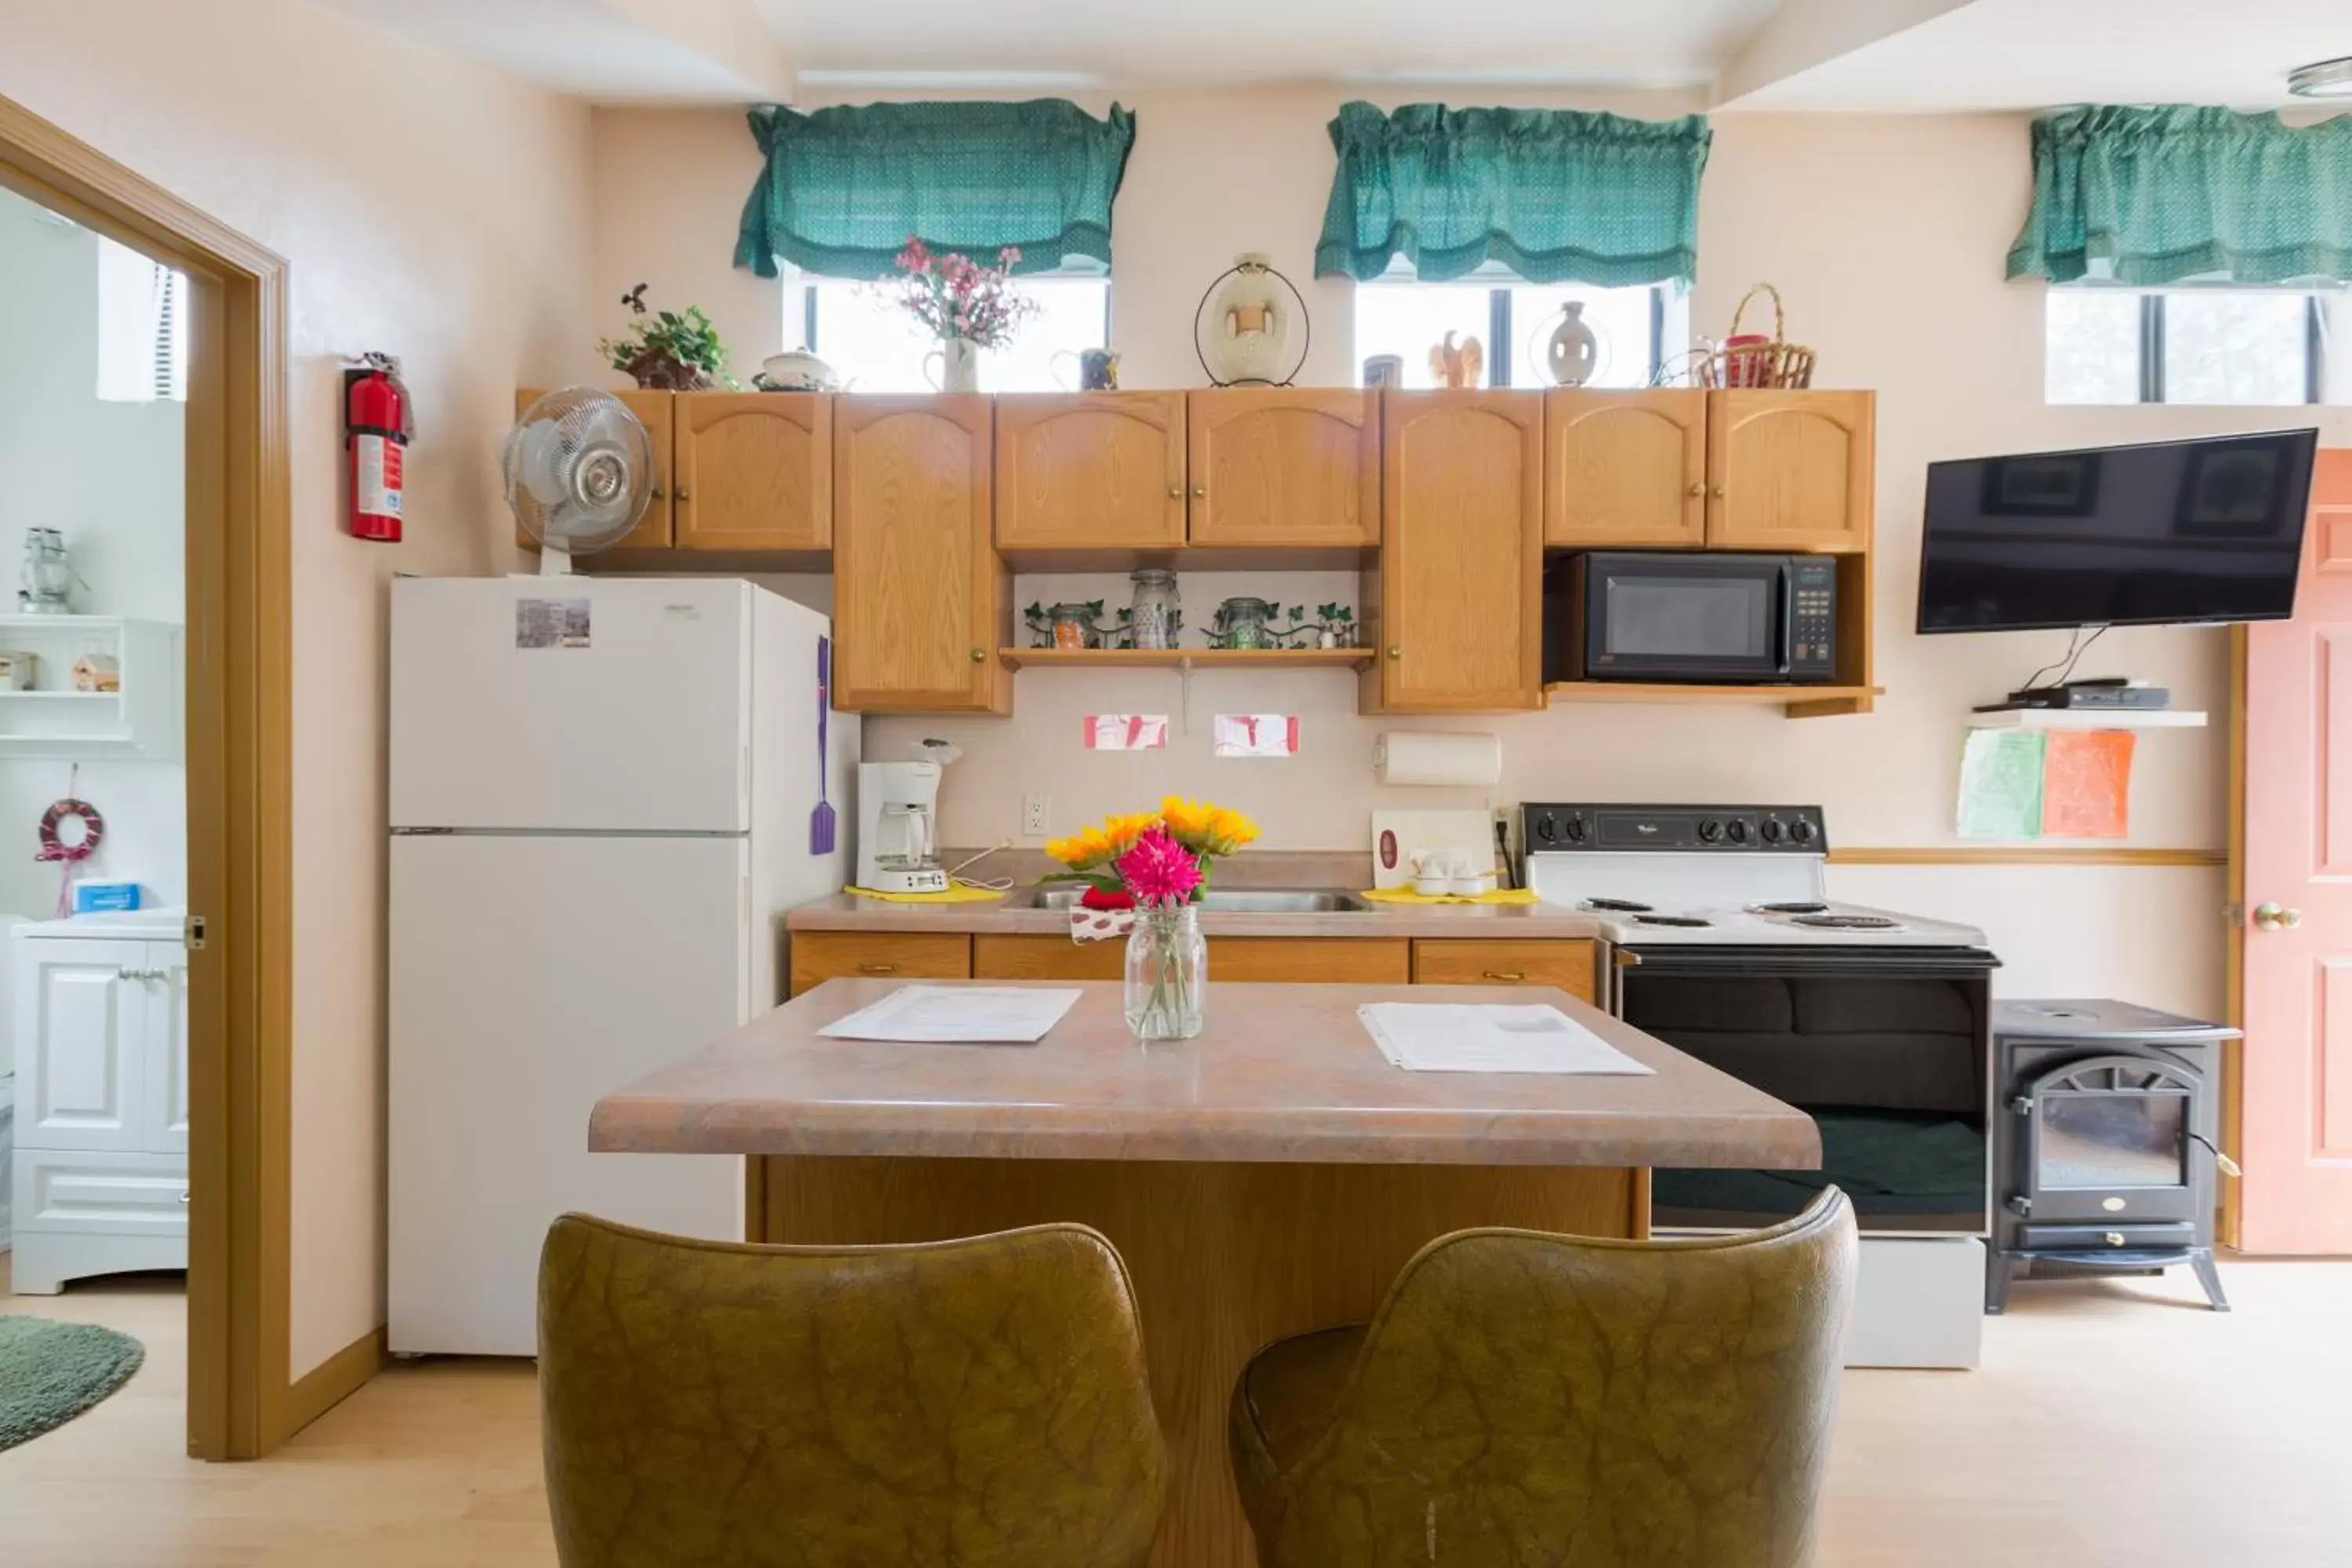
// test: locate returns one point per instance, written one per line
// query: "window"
(1512, 322)
(143, 326)
(2190, 345)
(877, 347)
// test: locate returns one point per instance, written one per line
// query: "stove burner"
(1618, 906)
(1795, 907)
(1847, 922)
(1670, 921)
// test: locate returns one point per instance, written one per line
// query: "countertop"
(845, 911)
(1282, 1073)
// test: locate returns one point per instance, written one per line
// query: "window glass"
(2094, 346)
(1620, 319)
(2223, 346)
(1409, 319)
(876, 346)
(143, 326)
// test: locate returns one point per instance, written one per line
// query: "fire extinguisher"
(378, 421)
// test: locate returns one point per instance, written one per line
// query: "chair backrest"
(1527, 1398)
(719, 1405)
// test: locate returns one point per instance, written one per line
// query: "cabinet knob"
(683, 495)
(978, 657)
(655, 493)
(1698, 490)
(1396, 653)
(1175, 492)
(1719, 492)
(1201, 491)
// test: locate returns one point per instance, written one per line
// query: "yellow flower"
(1123, 830)
(1229, 830)
(1187, 820)
(1081, 850)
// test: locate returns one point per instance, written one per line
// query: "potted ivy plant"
(668, 350)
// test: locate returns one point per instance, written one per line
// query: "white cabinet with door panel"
(100, 1174)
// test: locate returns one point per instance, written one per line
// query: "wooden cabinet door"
(1285, 465)
(1625, 467)
(1090, 470)
(1459, 612)
(655, 529)
(1790, 470)
(921, 600)
(754, 470)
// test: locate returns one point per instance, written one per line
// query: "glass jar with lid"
(1155, 616)
(1242, 623)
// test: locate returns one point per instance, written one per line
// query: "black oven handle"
(1881, 962)
(1784, 630)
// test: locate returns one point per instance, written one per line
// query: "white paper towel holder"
(1444, 758)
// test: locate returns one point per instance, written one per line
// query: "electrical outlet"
(1034, 809)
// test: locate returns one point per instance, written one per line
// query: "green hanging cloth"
(845, 186)
(1555, 196)
(2179, 193)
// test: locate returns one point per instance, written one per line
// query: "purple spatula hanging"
(821, 819)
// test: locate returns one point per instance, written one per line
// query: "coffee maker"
(898, 846)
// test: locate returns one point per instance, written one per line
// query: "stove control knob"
(1575, 830)
(1772, 830)
(1803, 831)
(1545, 831)
(1710, 830)
(1735, 830)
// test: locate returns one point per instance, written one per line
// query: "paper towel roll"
(1437, 757)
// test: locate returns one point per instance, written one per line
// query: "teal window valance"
(2176, 194)
(1554, 196)
(845, 186)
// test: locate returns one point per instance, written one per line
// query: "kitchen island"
(1272, 1176)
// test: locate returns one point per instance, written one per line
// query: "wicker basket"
(1753, 361)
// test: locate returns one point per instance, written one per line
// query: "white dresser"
(100, 1176)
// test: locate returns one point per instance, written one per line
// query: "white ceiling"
(1806, 56)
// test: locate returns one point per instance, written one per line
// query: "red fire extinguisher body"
(376, 426)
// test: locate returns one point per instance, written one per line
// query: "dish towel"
(1407, 896)
(957, 894)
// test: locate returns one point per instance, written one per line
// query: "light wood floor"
(2114, 1422)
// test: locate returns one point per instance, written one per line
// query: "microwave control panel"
(1813, 623)
(1729, 829)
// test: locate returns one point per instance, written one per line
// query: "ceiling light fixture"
(2325, 78)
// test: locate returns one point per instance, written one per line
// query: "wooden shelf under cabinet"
(1180, 657)
(1802, 702)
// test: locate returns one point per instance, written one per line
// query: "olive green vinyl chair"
(1524, 1399)
(713, 1404)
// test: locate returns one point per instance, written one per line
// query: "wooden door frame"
(242, 1401)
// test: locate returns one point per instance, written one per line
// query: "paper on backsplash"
(1256, 736)
(1126, 731)
(2086, 783)
(2001, 785)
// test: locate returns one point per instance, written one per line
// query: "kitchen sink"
(1227, 900)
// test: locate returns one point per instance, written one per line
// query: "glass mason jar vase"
(1166, 975)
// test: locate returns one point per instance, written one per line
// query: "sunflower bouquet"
(1155, 859)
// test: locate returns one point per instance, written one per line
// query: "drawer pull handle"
(184, 1194)
(1503, 975)
(877, 969)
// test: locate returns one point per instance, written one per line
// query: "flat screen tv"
(2168, 532)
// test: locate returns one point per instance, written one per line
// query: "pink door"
(2296, 1104)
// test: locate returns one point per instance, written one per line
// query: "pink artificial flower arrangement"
(953, 296)
(1160, 873)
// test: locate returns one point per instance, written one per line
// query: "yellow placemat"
(958, 894)
(1407, 896)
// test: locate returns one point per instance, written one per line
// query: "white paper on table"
(1007, 1016)
(1457, 1036)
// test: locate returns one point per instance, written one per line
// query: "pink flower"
(1159, 871)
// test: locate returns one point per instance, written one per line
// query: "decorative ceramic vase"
(958, 365)
(1572, 354)
(1154, 618)
(1166, 975)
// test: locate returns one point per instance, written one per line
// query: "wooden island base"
(1224, 1257)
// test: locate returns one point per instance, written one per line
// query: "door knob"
(2276, 917)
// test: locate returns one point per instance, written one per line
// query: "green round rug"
(51, 1372)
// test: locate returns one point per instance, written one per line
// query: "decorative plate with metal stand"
(1251, 329)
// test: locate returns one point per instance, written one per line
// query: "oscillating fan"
(579, 471)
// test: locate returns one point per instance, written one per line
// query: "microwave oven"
(1691, 615)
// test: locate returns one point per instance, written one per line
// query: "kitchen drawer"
(1448, 961)
(818, 956)
(2100, 1237)
(1052, 958)
(98, 1192)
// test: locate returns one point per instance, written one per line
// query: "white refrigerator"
(601, 802)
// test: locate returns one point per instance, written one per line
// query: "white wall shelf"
(140, 722)
(2089, 718)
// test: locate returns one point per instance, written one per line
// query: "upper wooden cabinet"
(1625, 470)
(753, 471)
(654, 531)
(1090, 470)
(1790, 470)
(1456, 599)
(1281, 466)
(921, 602)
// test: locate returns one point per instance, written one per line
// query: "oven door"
(1686, 617)
(1886, 1048)
(2107, 1139)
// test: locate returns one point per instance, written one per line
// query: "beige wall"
(1886, 236)
(427, 207)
